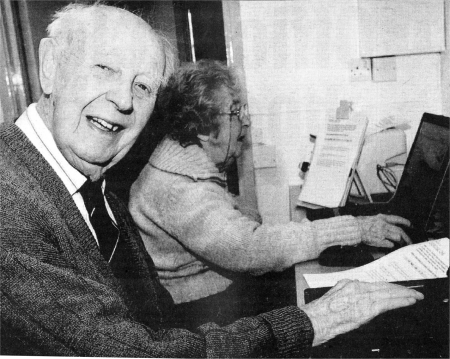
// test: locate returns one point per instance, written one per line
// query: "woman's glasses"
(241, 113)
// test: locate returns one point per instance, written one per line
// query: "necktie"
(106, 231)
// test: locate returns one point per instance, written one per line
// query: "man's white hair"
(69, 29)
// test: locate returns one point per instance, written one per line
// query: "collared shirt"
(40, 136)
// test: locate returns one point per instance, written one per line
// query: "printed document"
(336, 155)
(425, 260)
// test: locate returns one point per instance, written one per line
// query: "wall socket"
(384, 69)
(360, 70)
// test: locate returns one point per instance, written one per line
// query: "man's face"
(104, 94)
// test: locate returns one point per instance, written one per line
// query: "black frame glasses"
(241, 113)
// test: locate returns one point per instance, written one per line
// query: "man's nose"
(122, 96)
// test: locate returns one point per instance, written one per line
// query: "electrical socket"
(384, 69)
(360, 70)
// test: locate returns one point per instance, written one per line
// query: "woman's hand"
(350, 304)
(382, 230)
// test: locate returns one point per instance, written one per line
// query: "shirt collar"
(37, 132)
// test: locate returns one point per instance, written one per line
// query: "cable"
(387, 178)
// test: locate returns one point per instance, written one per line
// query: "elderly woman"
(192, 226)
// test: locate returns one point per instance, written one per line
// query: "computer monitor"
(422, 194)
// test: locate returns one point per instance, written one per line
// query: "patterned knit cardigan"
(60, 298)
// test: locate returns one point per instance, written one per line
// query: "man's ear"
(47, 64)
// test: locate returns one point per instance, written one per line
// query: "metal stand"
(360, 186)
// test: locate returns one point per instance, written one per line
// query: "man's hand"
(382, 230)
(350, 304)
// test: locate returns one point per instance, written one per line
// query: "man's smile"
(103, 124)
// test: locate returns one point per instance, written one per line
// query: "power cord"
(387, 178)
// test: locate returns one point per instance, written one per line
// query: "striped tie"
(105, 229)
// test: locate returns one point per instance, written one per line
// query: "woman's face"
(227, 144)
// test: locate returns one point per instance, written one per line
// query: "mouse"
(345, 256)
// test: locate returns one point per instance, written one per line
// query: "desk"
(297, 215)
(310, 267)
(419, 331)
(313, 267)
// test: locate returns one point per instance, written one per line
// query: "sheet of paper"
(425, 260)
(335, 154)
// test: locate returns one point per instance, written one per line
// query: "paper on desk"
(425, 260)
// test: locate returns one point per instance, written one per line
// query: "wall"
(295, 56)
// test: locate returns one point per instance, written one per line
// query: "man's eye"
(104, 67)
(142, 90)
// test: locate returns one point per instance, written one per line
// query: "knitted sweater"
(195, 232)
(59, 297)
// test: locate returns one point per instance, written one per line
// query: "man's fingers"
(350, 304)
(396, 293)
(388, 290)
(377, 308)
(390, 303)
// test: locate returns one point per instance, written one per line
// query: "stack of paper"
(427, 260)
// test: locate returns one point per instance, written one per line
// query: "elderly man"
(76, 279)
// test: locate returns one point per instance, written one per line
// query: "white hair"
(69, 28)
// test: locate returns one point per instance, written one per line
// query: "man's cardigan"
(59, 297)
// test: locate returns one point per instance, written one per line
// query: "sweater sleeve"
(49, 310)
(50, 306)
(201, 216)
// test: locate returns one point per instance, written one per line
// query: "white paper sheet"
(335, 155)
(425, 260)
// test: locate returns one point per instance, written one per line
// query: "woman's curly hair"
(190, 103)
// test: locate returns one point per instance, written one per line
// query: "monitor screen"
(423, 188)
